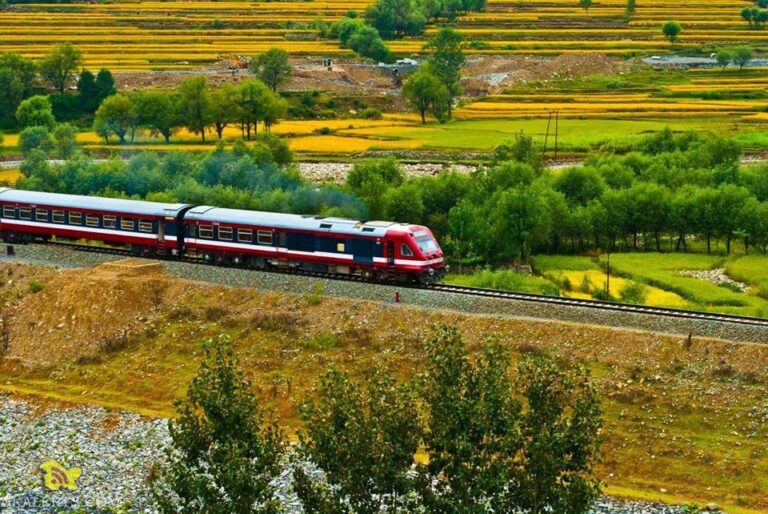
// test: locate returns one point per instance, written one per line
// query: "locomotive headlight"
(431, 271)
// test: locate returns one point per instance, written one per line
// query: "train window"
(206, 231)
(264, 237)
(405, 251)
(145, 226)
(109, 221)
(58, 216)
(41, 214)
(127, 224)
(225, 233)
(25, 213)
(245, 235)
(9, 212)
(341, 247)
(325, 225)
(75, 218)
(91, 220)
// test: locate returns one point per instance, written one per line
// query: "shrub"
(320, 342)
(315, 297)
(371, 114)
(633, 292)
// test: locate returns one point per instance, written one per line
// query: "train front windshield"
(427, 244)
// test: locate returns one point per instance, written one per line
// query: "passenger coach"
(150, 228)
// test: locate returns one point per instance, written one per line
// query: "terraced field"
(146, 35)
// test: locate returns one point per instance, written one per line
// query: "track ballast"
(469, 291)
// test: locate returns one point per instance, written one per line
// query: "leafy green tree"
(252, 97)
(194, 105)
(741, 56)
(34, 138)
(88, 91)
(446, 59)
(585, 4)
(59, 65)
(522, 218)
(224, 450)
(396, 18)
(225, 108)
(423, 91)
(17, 82)
(105, 83)
(472, 436)
(559, 427)
(580, 184)
(749, 14)
(274, 109)
(66, 140)
(629, 11)
(36, 111)
(116, 115)
(522, 149)
(724, 57)
(378, 420)
(345, 28)
(366, 42)
(671, 30)
(404, 204)
(273, 68)
(370, 180)
(156, 110)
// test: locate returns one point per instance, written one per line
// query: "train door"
(362, 249)
(390, 253)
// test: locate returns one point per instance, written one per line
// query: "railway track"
(472, 291)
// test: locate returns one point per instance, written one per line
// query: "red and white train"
(376, 250)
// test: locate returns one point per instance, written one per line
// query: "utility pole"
(608, 276)
(546, 138)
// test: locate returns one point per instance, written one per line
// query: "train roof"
(293, 221)
(117, 205)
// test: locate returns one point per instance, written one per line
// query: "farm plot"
(151, 35)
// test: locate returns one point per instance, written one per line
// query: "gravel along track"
(66, 257)
(115, 452)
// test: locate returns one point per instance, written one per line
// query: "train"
(372, 250)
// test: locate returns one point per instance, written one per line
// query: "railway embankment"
(686, 419)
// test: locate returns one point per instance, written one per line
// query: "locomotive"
(374, 250)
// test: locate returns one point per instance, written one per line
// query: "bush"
(371, 114)
(35, 286)
(320, 342)
(633, 292)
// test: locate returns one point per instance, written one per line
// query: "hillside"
(684, 420)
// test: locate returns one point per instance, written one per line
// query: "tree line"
(52, 76)
(500, 438)
(675, 188)
(192, 105)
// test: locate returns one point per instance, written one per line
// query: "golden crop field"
(145, 35)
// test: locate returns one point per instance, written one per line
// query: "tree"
(35, 138)
(66, 140)
(370, 180)
(741, 56)
(17, 82)
(225, 107)
(671, 30)
(522, 218)
(156, 110)
(274, 109)
(116, 115)
(488, 451)
(559, 427)
(88, 91)
(272, 67)
(396, 18)
(724, 57)
(446, 60)
(377, 419)
(366, 42)
(585, 4)
(423, 90)
(36, 111)
(105, 83)
(58, 66)
(194, 105)
(749, 14)
(251, 100)
(224, 450)
(629, 11)
(404, 204)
